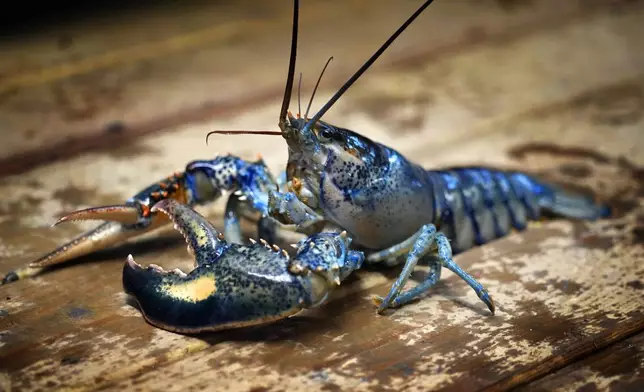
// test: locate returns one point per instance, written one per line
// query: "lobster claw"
(222, 291)
(234, 285)
(127, 214)
(174, 300)
(123, 222)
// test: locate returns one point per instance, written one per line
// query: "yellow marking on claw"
(192, 291)
(199, 232)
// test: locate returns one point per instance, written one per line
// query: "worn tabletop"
(94, 110)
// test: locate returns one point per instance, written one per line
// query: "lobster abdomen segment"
(477, 205)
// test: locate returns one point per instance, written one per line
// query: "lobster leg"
(232, 228)
(428, 239)
(238, 204)
(415, 292)
(236, 208)
(391, 256)
(267, 226)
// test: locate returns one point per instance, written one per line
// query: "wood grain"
(584, 349)
(620, 368)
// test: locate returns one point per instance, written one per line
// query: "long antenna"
(299, 96)
(316, 87)
(291, 66)
(364, 67)
(242, 132)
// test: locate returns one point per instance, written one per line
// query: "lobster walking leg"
(236, 207)
(445, 256)
(267, 229)
(232, 227)
(415, 292)
(267, 226)
(391, 255)
(429, 240)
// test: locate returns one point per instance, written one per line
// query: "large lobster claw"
(234, 285)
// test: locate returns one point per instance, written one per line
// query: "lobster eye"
(326, 134)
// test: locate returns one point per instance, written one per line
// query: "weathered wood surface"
(619, 368)
(564, 289)
(98, 83)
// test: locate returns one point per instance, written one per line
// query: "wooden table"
(93, 111)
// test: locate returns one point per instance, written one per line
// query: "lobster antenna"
(291, 66)
(242, 132)
(287, 91)
(365, 66)
(299, 100)
(316, 87)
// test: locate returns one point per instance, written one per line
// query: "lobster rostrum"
(392, 207)
(202, 182)
(234, 285)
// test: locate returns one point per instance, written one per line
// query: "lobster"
(388, 209)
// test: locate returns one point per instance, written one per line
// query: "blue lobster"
(388, 209)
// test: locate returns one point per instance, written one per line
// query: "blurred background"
(80, 76)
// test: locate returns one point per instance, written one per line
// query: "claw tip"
(131, 262)
(59, 221)
(160, 206)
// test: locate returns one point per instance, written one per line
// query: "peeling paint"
(555, 284)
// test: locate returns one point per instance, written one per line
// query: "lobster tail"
(570, 205)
